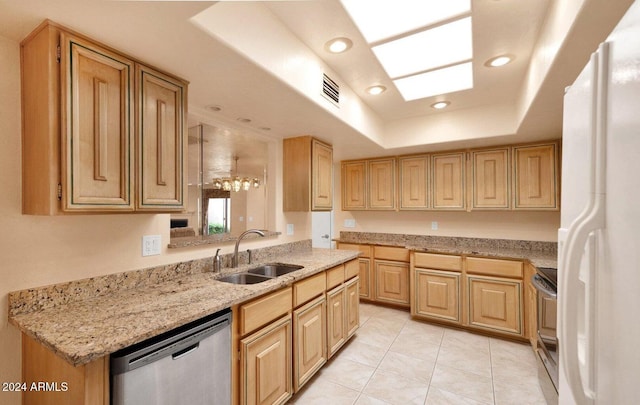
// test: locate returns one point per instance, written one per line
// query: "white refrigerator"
(599, 238)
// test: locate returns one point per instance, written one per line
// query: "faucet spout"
(234, 260)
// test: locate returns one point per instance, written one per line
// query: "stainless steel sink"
(260, 274)
(244, 278)
(274, 269)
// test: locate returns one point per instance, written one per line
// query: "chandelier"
(235, 183)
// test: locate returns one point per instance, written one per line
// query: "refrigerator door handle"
(591, 220)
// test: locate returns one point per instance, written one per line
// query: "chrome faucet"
(234, 260)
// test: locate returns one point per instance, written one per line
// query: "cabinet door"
(265, 358)
(310, 337)
(414, 183)
(322, 172)
(336, 333)
(536, 174)
(382, 184)
(532, 314)
(365, 278)
(495, 304)
(352, 307)
(160, 142)
(437, 295)
(353, 186)
(491, 179)
(97, 138)
(392, 282)
(448, 181)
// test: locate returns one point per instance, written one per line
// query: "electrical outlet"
(349, 223)
(434, 225)
(151, 245)
(289, 229)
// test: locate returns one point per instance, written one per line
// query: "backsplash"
(455, 242)
(38, 298)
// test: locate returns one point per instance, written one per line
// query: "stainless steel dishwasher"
(188, 365)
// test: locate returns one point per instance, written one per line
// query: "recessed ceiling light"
(499, 60)
(444, 45)
(377, 89)
(440, 105)
(338, 45)
(244, 120)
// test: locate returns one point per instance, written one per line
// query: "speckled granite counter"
(86, 329)
(540, 254)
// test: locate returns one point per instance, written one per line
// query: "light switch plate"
(151, 245)
(349, 223)
(434, 225)
(289, 229)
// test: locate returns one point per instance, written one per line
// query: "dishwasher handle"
(186, 351)
(175, 343)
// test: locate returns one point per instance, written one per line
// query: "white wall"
(37, 250)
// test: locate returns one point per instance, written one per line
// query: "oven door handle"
(537, 282)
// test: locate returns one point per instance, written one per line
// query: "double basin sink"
(260, 274)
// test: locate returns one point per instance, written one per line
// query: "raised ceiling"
(264, 61)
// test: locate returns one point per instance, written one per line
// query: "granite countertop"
(88, 329)
(540, 254)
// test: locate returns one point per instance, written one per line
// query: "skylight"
(425, 46)
(379, 20)
(441, 81)
(441, 46)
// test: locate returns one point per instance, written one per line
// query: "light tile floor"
(396, 360)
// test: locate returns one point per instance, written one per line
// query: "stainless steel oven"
(546, 283)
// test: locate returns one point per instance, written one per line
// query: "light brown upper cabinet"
(382, 184)
(448, 181)
(536, 176)
(414, 182)
(491, 187)
(354, 185)
(82, 150)
(307, 175)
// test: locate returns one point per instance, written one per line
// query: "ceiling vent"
(330, 90)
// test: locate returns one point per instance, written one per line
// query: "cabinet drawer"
(351, 269)
(335, 276)
(494, 267)
(365, 250)
(264, 310)
(391, 253)
(309, 288)
(437, 261)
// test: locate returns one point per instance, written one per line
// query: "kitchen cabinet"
(532, 314)
(495, 295)
(536, 174)
(490, 182)
(382, 184)
(266, 364)
(343, 304)
(414, 182)
(265, 347)
(364, 268)
(436, 287)
(354, 185)
(336, 322)
(82, 149)
(352, 306)
(86, 384)
(448, 181)
(310, 340)
(391, 275)
(307, 175)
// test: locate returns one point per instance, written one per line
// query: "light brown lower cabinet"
(437, 295)
(336, 331)
(310, 340)
(86, 384)
(495, 303)
(266, 364)
(352, 306)
(392, 282)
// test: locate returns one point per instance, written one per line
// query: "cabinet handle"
(162, 111)
(100, 120)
